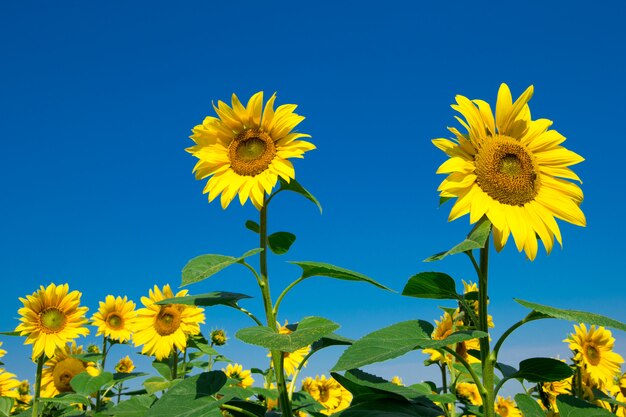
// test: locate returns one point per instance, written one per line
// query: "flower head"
(511, 169)
(505, 407)
(468, 392)
(115, 318)
(236, 371)
(160, 328)
(550, 390)
(328, 392)
(246, 149)
(125, 365)
(8, 385)
(50, 318)
(218, 337)
(61, 368)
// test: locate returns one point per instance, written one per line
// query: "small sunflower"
(125, 365)
(397, 381)
(505, 407)
(511, 169)
(50, 318)
(328, 392)
(469, 287)
(161, 328)
(550, 390)
(468, 392)
(115, 318)
(593, 352)
(61, 368)
(2, 351)
(8, 385)
(246, 149)
(443, 328)
(619, 391)
(236, 371)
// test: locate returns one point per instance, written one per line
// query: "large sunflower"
(246, 149)
(61, 368)
(593, 352)
(115, 318)
(161, 328)
(511, 169)
(51, 317)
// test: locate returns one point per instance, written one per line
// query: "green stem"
(40, 362)
(119, 392)
(238, 410)
(285, 291)
(256, 275)
(469, 368)
(579, 382)
(174, 363)
(292, 385)
(488, 358)
(249, 314)
(104, 358)
(530, 317)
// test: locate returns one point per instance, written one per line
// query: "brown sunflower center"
(64, 371)
(115, 321)
(324, 393)
(593, 354)
(52, 320)
(503, 410)
(251, 152)
(168, 320)
(507, 171)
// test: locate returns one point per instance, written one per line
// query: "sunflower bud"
(218, 337)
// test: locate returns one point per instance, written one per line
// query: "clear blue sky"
(97, 102)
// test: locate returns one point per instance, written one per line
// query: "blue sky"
(97, 102)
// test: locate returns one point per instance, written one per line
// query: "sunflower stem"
(488, 358)
(40, 362)
(104, 358)
(174, 363)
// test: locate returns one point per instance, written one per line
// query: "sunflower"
(469, 287)
(468, 392)
(505, 407)
(161, 328)
(51, 317)
(245, 149)
(8, 385)
(593, 352)
(236, 371)
(511, 169)
(125, 365)
(397, 381)
(550, 390)
(619, 391)
(328, 392)
(443, 328)
(114, 318)
(61, 368)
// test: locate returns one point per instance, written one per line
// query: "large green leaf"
(309, 330)
(330, 340)
(192, 397)
(204, 266)
(574, 407)
(207, 300)
(434, 285)
(574, 315)
(6, 404)
(542, 370)
(137, 406)
(280, 242)
(312, 269)
(86, 384)
(528, 406)
(389, 408)
(295, 186)
(475, 240)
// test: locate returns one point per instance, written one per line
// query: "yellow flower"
(236, 371)
(51, 317)
(593, 352)
(8, 385)
(445, 328)
(115, 318)
(245, 149)
(619, 391)
(550, 390)
(397, 380)
(473, 287)
(505, 407)
(125, 365)
(161, 328)
(328, 392)
(2, 351)
(61, 368)
(218, 337)
(468, 392)
(511, 169)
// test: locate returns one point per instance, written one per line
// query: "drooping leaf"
(86, 384)
(295, 186)
(574, 315)
(207, 300)
(254, 226)
(528, 406)
(280, 242)
(204, 266)
(570, 406)
(311, 269)
(163, 368)
(542, 370)
(136, 406)
(309, 330)
(475, 240)
(330, 340)
(433, 285)
(506, 370)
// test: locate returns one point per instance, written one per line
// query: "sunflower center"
(115, 321)
(52, 320)
(251, 152)
(168, 320)
(593, 354)
(507, 171)
(324, 394)
(64, 371)
(503, 410)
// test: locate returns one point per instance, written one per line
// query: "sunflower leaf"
(136, 406)
(434, 285)
(86, 384)
(206, 300)
(6, 404)
(444, 200)
(528, 406)
(475, 240)
(204, 266)
(280, 242)
(309, 330)
(542, 370)
(295, 186)
(68, 399)
(573, 315)
(254, 226)
(574, 407)
(312, 269)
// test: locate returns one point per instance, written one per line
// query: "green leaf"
(207, 300)
(123, 376)
(280, 242)
(137, 406)
(309, 330)
(528, 406)
(330, 340)
(11, 333)
(573, 407)
(507, 370)
(443, 200)
(6, 404)
(156, 384)
(163, 368)
(312, 269)
(200, 343)
(254, 226)
(475, 240)
(67, 399)
(256, 409)
(192, 397)
(542, 370)
(295, 186)
(204, 266)
(86, 384)
(390, 408)
(434, 285)
(574, 315)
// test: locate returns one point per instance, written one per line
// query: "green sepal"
(475, 240)
(280, 242)
(573, 315)
(204, 266)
